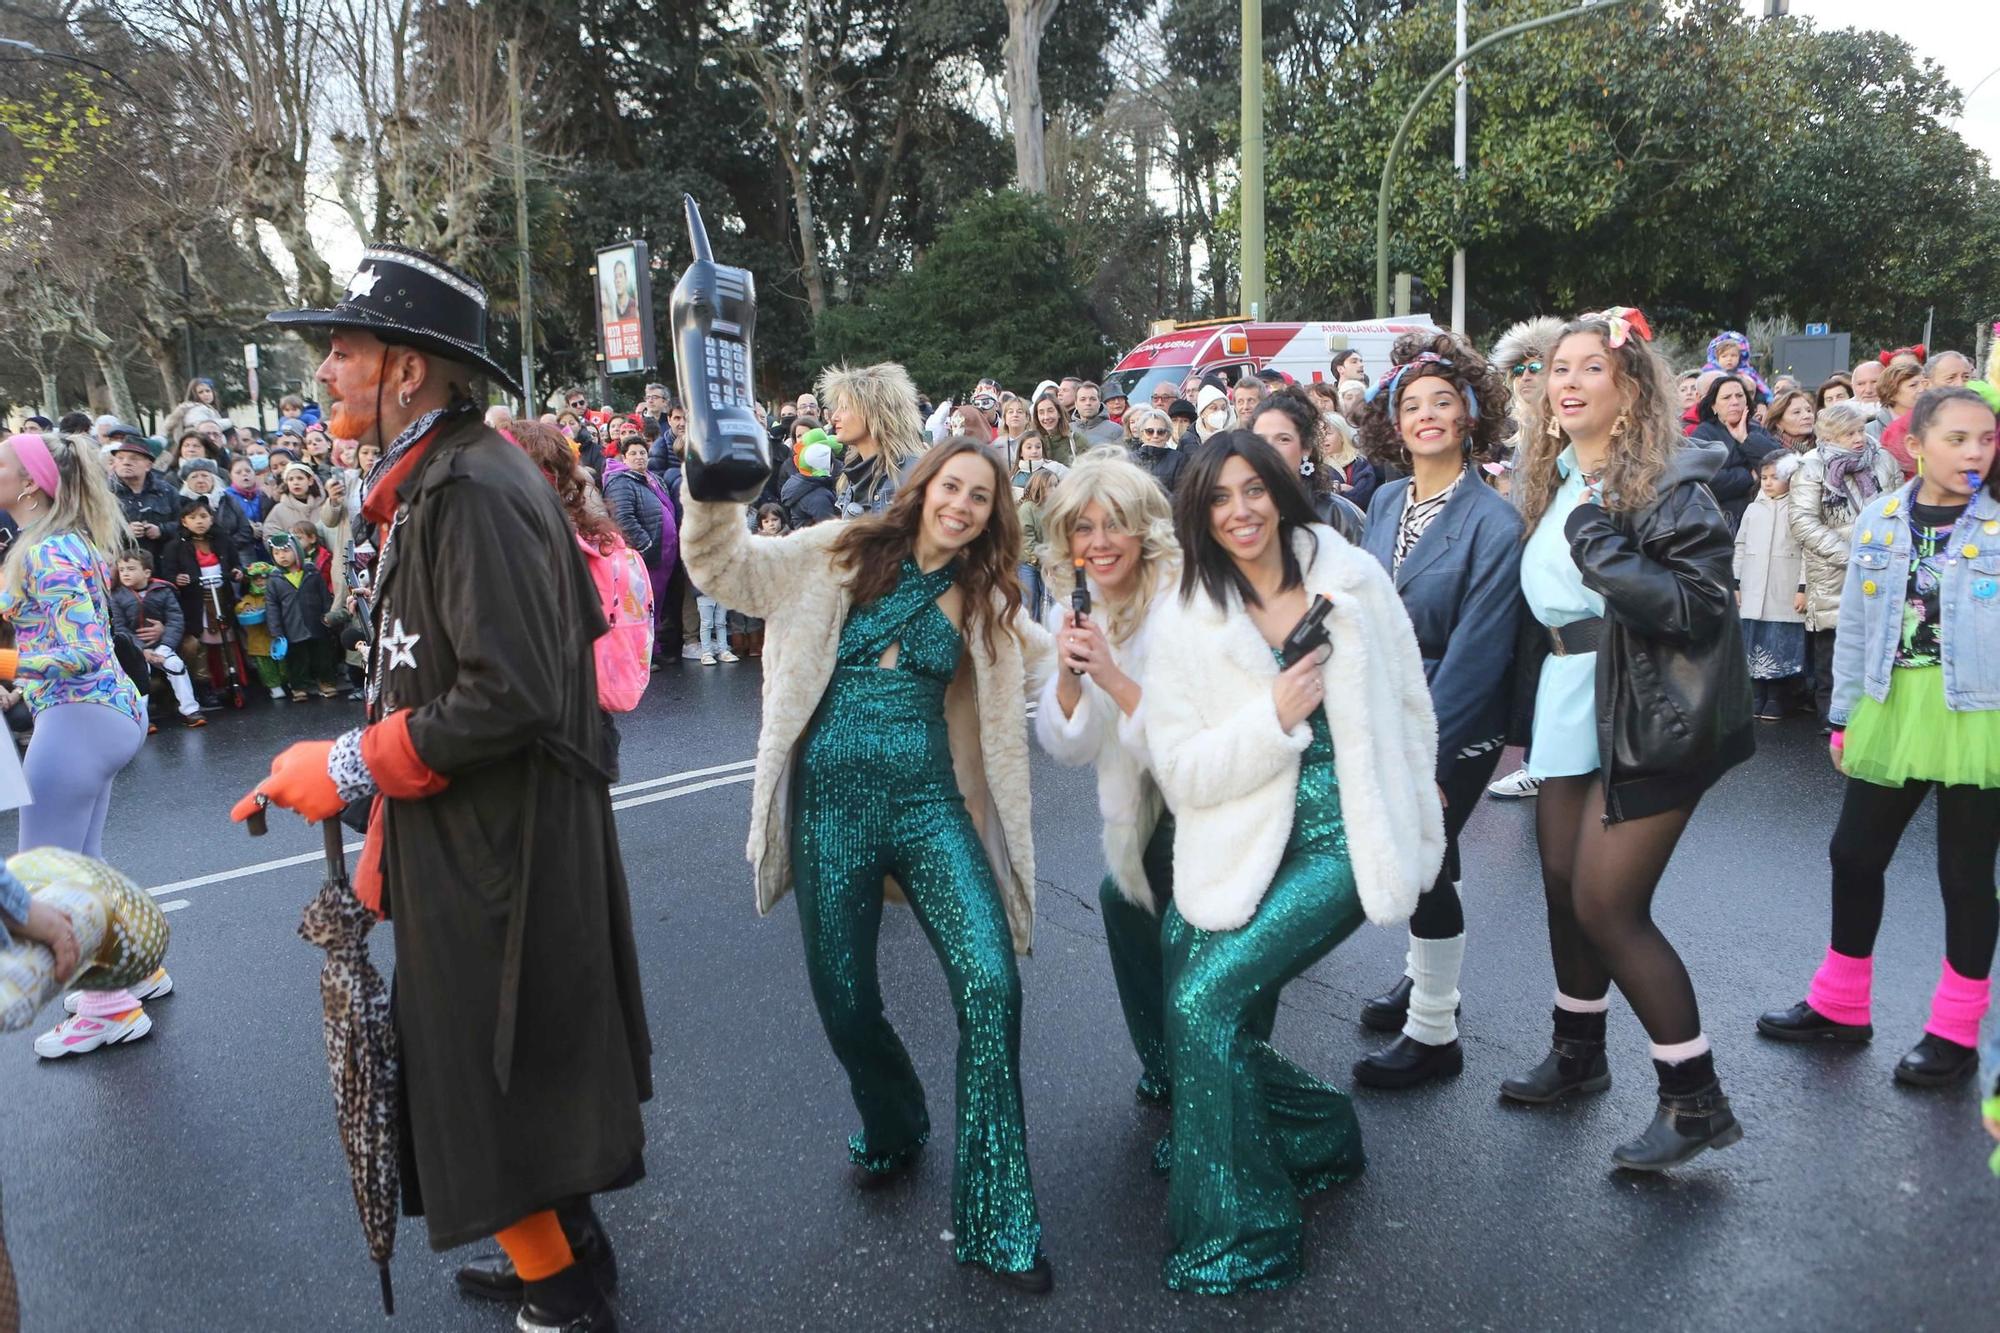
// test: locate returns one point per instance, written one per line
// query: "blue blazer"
(1461, 585)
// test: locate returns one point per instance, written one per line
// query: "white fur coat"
(1230, 772)
(1100, 733)
(790, 583)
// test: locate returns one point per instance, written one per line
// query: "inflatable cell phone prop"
(727, 455)
(121, 935)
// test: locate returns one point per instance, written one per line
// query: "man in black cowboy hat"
(525, 1049)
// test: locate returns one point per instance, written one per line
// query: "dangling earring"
(1618, 426)
(1554, 431)
(1920, 463)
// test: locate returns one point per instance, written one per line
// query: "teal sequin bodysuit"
(1253, 1133)
(874, 796)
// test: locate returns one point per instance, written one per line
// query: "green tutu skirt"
(1912, 737)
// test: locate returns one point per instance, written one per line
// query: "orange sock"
(537, 1246)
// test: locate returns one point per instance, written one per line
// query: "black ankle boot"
(1693, 1115)
(1936, 1061)
(1386, 1012)
(1406, 1062)
(492, 1277)
(1575, 1062)
(569, 1302)
(1037, 1281)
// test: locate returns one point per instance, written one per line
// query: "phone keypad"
(728, 373)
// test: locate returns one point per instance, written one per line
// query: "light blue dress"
(1565, 734)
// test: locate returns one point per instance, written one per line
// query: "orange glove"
(298, 782)
(10, 664)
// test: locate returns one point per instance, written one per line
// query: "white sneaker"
(1515, 785)
(691, 652)
(79, 1035)
(708, 659)
(277, 691)
(727, 656)
(152, 988)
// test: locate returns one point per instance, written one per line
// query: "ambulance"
(1182, 353)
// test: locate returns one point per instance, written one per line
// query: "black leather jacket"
(1673, 687)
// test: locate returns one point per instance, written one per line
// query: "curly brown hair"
(870, 552)
(1639, 453)
(1463, 368)
(550, 451)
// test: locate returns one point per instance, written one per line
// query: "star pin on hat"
(407, 297)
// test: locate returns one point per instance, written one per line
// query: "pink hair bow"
(1625, 320)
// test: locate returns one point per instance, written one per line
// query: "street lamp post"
(1252, 172)
(1410, 116)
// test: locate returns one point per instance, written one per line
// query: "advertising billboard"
(623, 278)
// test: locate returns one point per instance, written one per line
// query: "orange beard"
(354, 416)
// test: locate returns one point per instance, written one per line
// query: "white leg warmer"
(1433, 968)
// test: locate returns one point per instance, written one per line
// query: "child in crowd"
(1771, 592)
(1729, 354)
(147, 609)
(300, 612)
(714, 630)
(312, 551)
(251, 614)
(772, 521)
(202, 569)
(1034, 497)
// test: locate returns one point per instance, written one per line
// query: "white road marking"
(306, 858)
(174, 906)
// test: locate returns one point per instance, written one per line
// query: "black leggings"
(1600, 879)
(1439, 915)
(1872, 820)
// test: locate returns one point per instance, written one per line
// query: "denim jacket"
(1871, 605)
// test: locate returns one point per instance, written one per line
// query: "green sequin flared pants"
(874, 796)
(1253, 1133)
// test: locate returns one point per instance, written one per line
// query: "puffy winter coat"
(1825, 530)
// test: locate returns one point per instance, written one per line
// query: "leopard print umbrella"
(361, 1053)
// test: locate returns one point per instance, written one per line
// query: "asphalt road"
(193, 1181)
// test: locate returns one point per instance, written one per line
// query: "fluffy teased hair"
(1525, 341)
(1134, 503)
(1638, 455)
(1382, 439)
(886, 399)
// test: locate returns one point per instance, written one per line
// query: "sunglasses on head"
(1527, 368)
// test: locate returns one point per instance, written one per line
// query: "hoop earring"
(26, 491)
(404, 398)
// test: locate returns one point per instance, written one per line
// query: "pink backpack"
(625, 651)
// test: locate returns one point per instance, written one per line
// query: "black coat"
(1673, 686)
(297, 613)
(808, 500)
(517, 994)
(157, 501)
(1165, 465)
(637, 511)
(1735, 483)
(156, 604)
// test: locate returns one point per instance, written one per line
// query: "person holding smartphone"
(1292, 822)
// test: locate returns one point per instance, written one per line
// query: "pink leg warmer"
(111, 1003)
(1957, 1005)
(1840, 989)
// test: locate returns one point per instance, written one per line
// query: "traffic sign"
(1815, 330)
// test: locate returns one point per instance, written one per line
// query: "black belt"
(1579, 636)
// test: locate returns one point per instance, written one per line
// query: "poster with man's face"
(621, 307)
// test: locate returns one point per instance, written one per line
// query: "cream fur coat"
(1099, 733)
(1230, 772)
(790, 583)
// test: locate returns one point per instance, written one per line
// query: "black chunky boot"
(492, 1277)
(1575, 1062)
(1386, 1012)
(569, 1302)
(1406, 1062)
(1037, 1281)
(1693, 1115)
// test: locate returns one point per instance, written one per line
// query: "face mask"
(259, 461)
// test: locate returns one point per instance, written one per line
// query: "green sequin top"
(907, 614)
(1316, 823)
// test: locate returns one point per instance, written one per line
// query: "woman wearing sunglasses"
(1521, 359)
(1159, 448)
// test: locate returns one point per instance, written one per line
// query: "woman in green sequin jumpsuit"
(1245, 750)
(873, 797)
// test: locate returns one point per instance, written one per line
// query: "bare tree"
(1027, 22)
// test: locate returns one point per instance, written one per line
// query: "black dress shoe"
(492, 1277)
(1386, 1012)
(1037, 1281)
(569, 1302)
(1802, 1022)
(1683, 1126)
(868, 1181)
(1571, 1066)
(1406, 1062)
(1934, 1062)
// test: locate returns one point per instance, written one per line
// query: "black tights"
(1600, 879)
(1872, 820)
(1439, 915)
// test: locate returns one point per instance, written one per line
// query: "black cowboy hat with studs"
(407, 297)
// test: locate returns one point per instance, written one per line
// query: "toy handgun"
(1079, 598)
(1309, 635)
(727, 452)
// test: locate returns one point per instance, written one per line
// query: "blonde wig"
(1639, 452)
(83, 504)
(886, 399)
(1133, 503)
